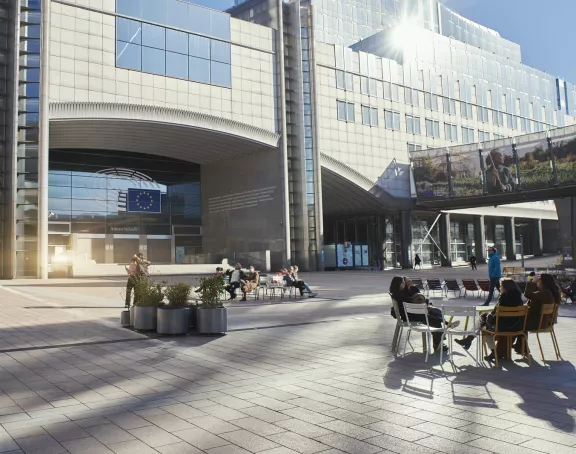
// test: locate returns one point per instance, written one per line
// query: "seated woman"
(250, 280)
(510, 296)
(541, 290)
(402, 290)
(294, 271)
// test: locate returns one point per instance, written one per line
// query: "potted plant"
(149, 296)
(175, 317)
(212, 317)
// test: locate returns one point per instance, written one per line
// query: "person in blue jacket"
(494, 273)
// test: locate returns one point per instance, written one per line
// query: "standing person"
(235, 281)
(250, 281)
(473, 262)
(494, 273)
(143, 264)
(133, 271)
(417, 261)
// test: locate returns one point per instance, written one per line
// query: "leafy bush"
(211, 288)
(178, 294)
(148, 293)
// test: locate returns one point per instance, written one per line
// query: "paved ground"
(316, 376)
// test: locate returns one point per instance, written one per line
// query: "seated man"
(294, 272)
(290, 280)
(250, 281)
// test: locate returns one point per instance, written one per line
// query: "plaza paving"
(304, 376)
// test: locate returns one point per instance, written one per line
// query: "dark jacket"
(403, 296)
(536, 299)
(512, 298)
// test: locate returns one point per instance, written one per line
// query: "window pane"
(365, 115)
(351, 116)
(176, 65)
(153, 60)
(154, 11)
(129, 7)
(153, 36)
(129, 30)
(220, 25)
(341, 110)
(177, 14)
(199, 47)
(374, 117)
(199, 70)
(177, 41)
(221, 74)
(396, 121)
(128, 56)
(220, 51)
(198, 19)
(340, 79)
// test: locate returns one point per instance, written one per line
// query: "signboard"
(357, 255)
(365, 256)
(344, 256)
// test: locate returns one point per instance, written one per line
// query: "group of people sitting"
(291, 279)
(539, 291)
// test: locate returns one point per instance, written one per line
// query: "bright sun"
(405, 34)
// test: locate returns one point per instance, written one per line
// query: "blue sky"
(543, 29)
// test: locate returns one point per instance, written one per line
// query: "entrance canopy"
(159, 131)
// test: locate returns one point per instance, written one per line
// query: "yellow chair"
(550, 310)
(505, 312)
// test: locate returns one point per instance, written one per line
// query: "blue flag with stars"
(144, 201)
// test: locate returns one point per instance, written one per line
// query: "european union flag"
(144, 201)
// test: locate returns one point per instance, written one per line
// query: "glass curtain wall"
(458, 241)
(426, 246)
(28, 133)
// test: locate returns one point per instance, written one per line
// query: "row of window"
(369, 86)
(158, 50)
(413, 124)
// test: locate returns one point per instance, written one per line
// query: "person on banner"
(494, 273)
(498, 177)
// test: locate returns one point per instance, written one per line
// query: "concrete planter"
(212, 320)
(132, 314)
(173, 320)
(145, 318)
(125, 319)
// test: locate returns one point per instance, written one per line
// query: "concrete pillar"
(445, 240)
(109, 248)
(406, 223)
(479, 239)
(538, 239)
(510, 233)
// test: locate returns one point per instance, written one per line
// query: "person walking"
(494, 273)
(417, 261)
(473, 262)
(133, 272)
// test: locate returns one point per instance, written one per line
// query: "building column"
(406, 224)
(479, 239)
(445, 240)
(510, 233)
(538, 239)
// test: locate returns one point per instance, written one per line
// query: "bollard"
(125, 318)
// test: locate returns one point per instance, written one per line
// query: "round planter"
(212, 320)
(173, 320)
(132, 314)
(125, 318)
(145, 318)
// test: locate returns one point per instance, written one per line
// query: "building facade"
(277, 132)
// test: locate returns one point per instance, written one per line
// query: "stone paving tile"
(548, 446)
(303, 428)
(545, 434)
(298, 443)
(179, 448)
(214, 425)
(7, 443)
(225, 413)
(183, 411)
(154, 436)
(41, 444)
(66, 431)
(132, 447)
(399, 446)
(86, 446)
(249, 440)
(169, 422)
(348, 444)
(350, 416)
(127, 420)
(272, 404)
(280, 450)
(228, 449)
(201, 439)
(500, 447)
(268, 415)
(233, 402)
(109, 433)
(450, 446)
(351, 430)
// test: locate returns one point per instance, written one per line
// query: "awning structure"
(160, 131)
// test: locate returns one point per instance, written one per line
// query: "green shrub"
(178, 294)
(211, 288)
(148, 293)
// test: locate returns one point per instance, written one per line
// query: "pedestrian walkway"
(322, 380)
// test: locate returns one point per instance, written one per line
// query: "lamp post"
(521, 241)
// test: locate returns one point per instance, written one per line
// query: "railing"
(502, 169)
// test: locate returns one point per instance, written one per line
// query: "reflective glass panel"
(220, 74)
(154, 11)
(129, 7)
(199, 70)
(153, 36)
(153, 60)
(177, 14)
(220, 51)
(199, 46)
(176, 65)
(128, 56)
(198, 19)
(177, 41)
(220, 25)
(128, 30)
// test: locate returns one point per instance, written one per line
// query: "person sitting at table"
(541, 290)
(250, 280)
(510, 296)
(402, 290)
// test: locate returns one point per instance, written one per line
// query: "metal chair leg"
(540, 345)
